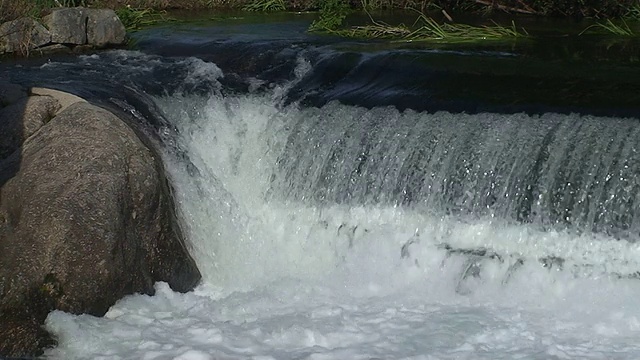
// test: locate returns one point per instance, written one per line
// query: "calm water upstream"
(366, 200)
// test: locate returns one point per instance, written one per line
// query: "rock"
(22, 35)
(64, 99)
(67, 25)
(10, 93)
(22, 119)
(52, 49)
(86, 219)
(104, 28)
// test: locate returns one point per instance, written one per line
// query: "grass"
(135, 19)
(610, 27)
(426, 28)
(265, 5)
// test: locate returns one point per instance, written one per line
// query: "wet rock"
(22, 35)
(52, 49)
(67, 25)
(104, 28)
(85, 219)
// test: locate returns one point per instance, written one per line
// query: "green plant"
(332, 14)
(265, 5)
(426, 28)
(134, 19)
(609, 26)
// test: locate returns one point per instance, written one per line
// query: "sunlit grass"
(134, 19)
(427, 28)
(265, 5)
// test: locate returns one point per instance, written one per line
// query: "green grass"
(426, 28)
(135, 19)
(608, 26)
(265, 5)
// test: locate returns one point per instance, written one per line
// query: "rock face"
(104, 28)
(68, 27)
(85, 218)
(22, 35)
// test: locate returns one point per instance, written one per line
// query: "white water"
(290, 279)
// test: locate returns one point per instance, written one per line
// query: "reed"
(426, 28)
(608, 26)
(135, 19)
(265, 5)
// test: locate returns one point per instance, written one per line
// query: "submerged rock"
(85, 218)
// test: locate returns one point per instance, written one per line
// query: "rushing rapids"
(343, 203)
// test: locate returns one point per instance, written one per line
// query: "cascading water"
(345, 232)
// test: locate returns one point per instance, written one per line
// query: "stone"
(22, 119)
(10, 93)
(67, 25)
(52, 49)
(22, 35)
(104, 28)
(64, 98)
(85, 219)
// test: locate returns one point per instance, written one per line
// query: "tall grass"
(265, 5)
(426, 28)
(134, 19)
(608, 26)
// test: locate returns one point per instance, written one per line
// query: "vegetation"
(425, 28)
(134, 19)
(608, 26)
(265, 5)
(333, 12)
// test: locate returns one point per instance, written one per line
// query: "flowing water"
(350, 200)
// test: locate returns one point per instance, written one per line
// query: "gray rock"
(67, 25)
(22, 36)
(22, 119)
(104, 28)
(52, 49)
(10, 93)
(85, 220)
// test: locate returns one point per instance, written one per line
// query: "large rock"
(85, 219)
(34, 111)
(22, 35)
(67, 25)
(104, 28)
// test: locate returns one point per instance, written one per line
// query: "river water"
(367, 200)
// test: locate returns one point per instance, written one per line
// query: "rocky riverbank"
(64, 29)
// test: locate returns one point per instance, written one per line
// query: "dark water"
(576, 171)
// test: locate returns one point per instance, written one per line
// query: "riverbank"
(601, 9)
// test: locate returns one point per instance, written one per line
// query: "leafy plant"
(265, 5)
(332, 14)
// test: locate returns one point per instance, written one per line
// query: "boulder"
(67, 25)
(22, 35)
(33, 111)
(85, 219)
(104, 28)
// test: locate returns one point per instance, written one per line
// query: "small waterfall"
(577, 172)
